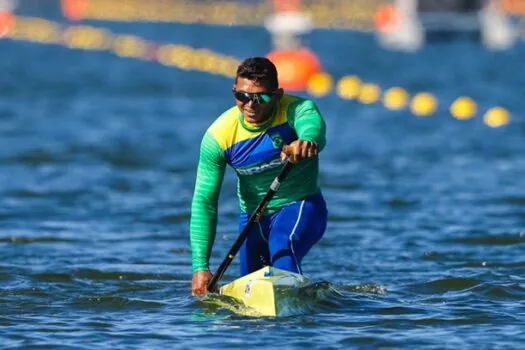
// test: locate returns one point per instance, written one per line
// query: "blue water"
(425, 246)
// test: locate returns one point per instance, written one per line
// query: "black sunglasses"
(256, 97)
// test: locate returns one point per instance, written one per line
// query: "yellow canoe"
(265, 291)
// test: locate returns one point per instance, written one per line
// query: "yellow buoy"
(395, 98)
(496, 117)
(370, 93)
(348, 87)
(423, 104)
(463, 108)
(319, 84)
(129, 46)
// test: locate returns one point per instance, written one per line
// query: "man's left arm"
(309, 124)
(310, 127)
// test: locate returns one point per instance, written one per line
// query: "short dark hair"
(259, 69)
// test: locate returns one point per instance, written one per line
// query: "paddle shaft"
(253, 220)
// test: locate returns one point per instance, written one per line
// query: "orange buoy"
(7, 22)
(513, 7)
(386, 18)
(74, 10)
(295, 67)
(286, 5)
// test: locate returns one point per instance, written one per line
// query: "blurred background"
(102, 108)
(301, 37)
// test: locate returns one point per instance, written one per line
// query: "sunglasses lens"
(242, 96)
(265, 98)
(246, 97)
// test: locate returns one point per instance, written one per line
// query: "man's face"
(258, 104)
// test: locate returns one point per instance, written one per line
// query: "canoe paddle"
(253, 220)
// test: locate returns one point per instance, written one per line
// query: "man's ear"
(280, 93)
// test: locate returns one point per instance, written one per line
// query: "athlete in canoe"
(250, 138)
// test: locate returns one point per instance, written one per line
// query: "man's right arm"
(203, 222)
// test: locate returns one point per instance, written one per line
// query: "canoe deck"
(265, 289)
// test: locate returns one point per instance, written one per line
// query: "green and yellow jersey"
(254, 154)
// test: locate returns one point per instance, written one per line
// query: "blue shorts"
(283, 238)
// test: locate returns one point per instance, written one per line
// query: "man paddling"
(254, 137)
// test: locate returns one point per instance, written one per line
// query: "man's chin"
(252, 118)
